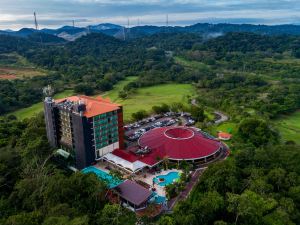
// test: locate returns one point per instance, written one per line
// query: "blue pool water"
(157, 199)
(110, 180)
(168, 178)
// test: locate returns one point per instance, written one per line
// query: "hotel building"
(85, 127)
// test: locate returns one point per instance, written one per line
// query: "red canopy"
(179, 143)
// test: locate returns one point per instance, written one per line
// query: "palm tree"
(166, 162)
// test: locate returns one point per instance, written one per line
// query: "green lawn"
(190, 63)
(114, 93)
(229, 127)
(147, 97)
(38, 107)
(289, 127)
(143, 99)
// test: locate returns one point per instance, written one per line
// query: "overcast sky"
(15, 14)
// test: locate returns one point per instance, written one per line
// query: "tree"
(139, 115)
(123, 94)
(116, 173)
(177, 107)
(115, 215)
(249, 207)
(257, 132)
(171, 191)
(197, 113)
(163, 108)
(166, 220)
(84, 88)
(277, 177)
(166, 162)
(104, 85)
(65, 220)
(31, 218)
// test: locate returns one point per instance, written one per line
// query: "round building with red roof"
(181, 143)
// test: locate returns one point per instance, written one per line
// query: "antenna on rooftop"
(48, 91)
(35, 21)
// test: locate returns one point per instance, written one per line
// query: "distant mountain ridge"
(71, 33)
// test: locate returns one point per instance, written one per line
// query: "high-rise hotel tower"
(86, 127)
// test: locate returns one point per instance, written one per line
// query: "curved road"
(221, 117)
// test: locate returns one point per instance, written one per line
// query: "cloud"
(54, 13)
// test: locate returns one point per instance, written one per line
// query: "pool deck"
(160, 190)
(102, 166)
(149, 180)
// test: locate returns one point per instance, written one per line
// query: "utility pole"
(124, 35)
(35, 21)
(37, 26)
(128, 29)
(167, 20)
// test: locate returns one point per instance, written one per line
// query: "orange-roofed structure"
(86, 127)
(224, 136)
(94, 106)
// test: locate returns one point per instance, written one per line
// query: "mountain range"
(71, 33)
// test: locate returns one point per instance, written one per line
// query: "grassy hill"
(38, 107)
(289, 127)
(14, 66)
(147, 97)
(143, 99)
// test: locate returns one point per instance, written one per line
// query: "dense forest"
(252, 77)
(34, 190)
(228, 66)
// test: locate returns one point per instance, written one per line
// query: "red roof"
(149, 159)
(224, 135)
(179, 143)
(94, 106)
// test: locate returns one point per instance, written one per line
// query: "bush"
(139, 115)
(84, 89)
(104, 85)
(161, 109)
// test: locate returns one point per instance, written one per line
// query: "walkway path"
(194, 179)
(185, 193)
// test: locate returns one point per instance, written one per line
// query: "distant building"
(86, 127)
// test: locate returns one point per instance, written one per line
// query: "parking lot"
(135, 130)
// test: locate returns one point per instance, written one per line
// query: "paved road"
(221, 117)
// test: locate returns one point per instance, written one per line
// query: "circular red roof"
(179, 143)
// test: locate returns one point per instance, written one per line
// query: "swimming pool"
(158, 199)
(110, 180)
(169, 178)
